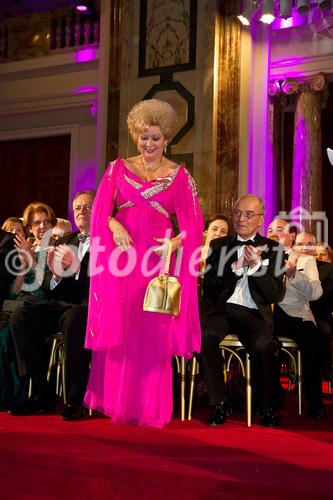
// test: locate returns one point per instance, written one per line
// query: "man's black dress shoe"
(269, 418)
(31, 407)
(219, 414)
(73, 411)
(317, 412)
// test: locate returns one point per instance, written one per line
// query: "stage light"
(267, 15)
(248, 12)
(330, 155)
(286, 8)
(84, 6)
(324, 4)
(302, 6)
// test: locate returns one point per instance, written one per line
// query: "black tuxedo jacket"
(6, 246)
(323, 307)
(69, 289)
(220, 281)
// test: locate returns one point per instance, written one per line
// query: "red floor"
(43, 457)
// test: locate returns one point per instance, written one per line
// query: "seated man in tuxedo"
(242, 280)
(322, 308)
(7, 255)
(293, 316)
(67, 287)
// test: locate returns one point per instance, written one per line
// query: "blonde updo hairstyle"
(148, 113)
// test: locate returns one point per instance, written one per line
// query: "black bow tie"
(82, 237)
(247, 242)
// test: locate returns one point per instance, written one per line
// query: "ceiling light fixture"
(267, 15)
(248, 12)
(286, 8)
(303, 6)
(324, 4)
(83, 6)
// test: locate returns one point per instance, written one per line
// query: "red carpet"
(42, 457)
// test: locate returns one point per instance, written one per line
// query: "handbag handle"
(168, 258)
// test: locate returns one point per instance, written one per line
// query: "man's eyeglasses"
(248, 214)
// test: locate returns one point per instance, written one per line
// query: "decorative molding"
(301, 66)
(48, 66)
(46, 102)
(290, 86)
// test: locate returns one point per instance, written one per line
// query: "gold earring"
(165, 148)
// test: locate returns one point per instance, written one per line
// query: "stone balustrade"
(43, 34)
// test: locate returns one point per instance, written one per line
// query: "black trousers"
(306, 335)
(255, 334)
(32, 324)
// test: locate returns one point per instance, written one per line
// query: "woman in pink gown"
(131, 369)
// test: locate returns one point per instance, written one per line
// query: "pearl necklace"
(153, 168)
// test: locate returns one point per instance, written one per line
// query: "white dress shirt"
(305, 286)
(242, 295)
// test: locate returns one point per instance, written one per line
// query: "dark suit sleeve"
(219, 280)
(8, 263)
(323, 307)
(69, 289)
(267, 283)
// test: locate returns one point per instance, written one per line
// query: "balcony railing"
(43, 34)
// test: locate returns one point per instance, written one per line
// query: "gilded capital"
(313, 83)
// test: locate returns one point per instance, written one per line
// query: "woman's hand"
(162, 250)
(21, 243)
(121, 236)
(24, 253)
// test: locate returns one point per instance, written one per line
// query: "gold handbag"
(163, 293)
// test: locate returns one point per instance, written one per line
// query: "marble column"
(227, 90)
(307, 182)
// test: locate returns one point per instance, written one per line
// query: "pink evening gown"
(131, 368)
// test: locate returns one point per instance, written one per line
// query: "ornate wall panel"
(227, 114)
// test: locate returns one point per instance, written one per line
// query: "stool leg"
(182, 387)
(30, 388)
(63, 374)
(299, 381)
(58, 376)
(194, 368)
(248, 391)
(52, 359)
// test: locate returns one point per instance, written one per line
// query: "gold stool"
(289, 346)
(181, 370)
(232, 345)
(57, 357)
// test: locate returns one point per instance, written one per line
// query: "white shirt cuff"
(252, 270)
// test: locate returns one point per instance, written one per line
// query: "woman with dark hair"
(216, 226)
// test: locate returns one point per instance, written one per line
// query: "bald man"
(293, 316)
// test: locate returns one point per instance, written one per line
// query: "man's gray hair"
(89, 192)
